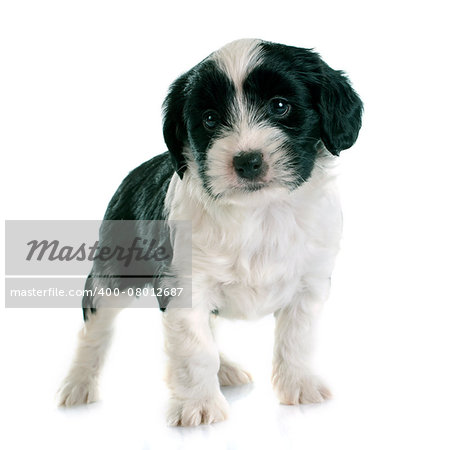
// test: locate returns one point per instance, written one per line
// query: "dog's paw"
(193, 412)
(300, 390)
(79, 392)
(230, 374)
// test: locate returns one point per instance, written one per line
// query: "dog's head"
(256, 114)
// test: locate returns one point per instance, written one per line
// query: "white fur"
(270, 251)
(237, 59)
(81, 383)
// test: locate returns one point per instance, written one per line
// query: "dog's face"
(256, 114)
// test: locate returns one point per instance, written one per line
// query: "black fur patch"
(139, 197)
(205, 87)
(141, 194)
(300, 125)
(210, 89)
(330, 93)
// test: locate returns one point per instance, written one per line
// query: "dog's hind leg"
(81, 383)
(231, 374)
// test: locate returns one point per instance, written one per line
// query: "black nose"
(248, 165)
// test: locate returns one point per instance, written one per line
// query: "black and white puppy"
(252, 132)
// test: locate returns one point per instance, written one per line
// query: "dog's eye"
(210, 119)
(279, 107)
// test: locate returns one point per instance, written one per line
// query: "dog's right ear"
(174, 124)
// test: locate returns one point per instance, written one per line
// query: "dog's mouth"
(252, 186)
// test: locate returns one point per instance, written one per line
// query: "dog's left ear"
(174, 125)
(340, 110)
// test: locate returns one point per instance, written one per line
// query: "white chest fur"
(252, 256)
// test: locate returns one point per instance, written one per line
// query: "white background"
(81, 87)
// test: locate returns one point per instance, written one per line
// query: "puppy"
(253, 132)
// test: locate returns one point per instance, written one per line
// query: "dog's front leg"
(193, 363)
(292, 377)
